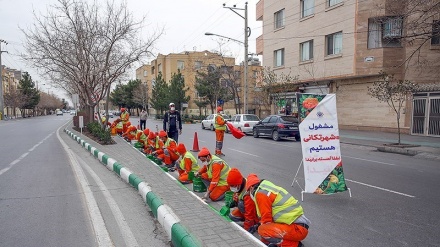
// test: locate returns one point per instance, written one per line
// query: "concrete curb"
(177, 233)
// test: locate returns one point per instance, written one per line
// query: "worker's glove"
(206, 195)
(196, 174)
(254, 228)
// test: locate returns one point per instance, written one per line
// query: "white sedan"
(244, 122)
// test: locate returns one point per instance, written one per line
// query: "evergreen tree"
(30, 94)
(177, 90)
(208, 86)
(159, 98)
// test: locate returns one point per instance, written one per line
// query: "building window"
(435, 40)
(384, 32)
(306, 50)
(331, 3)
(278, 58)
(198, 65)
(152, 70)
(159, 68)
(145, 73)
(180, 65)
(279, 19)
(307, 8)
(334, 43)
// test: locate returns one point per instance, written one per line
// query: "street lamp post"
(2, 113)
(245, 43)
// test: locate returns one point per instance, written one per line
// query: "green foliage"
(123, 95)
(177, 90)
(31, 95)
(96, 129)
(208, 86)
(159, 98)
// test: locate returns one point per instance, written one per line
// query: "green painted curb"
(117, 168)
(153, 202)
(134, 180)
(105, 159)
(95, 153)
(181, 238)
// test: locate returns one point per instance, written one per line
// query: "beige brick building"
(10, 81)
(189, 62)
(340, 46)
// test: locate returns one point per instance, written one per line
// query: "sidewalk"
(198, 224)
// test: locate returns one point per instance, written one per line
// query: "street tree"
(140, 96)
(208, 86)
(31, 95)
(14, 99)
(177, 90)
(394, 92)
(159, 97)
(84, 47)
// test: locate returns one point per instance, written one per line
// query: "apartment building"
(188, 63)
(340, 46)
(10, 82)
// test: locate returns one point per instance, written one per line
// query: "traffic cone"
(196, 143)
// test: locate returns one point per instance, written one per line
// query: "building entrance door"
(426, 114)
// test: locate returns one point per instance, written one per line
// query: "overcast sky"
(184, 22)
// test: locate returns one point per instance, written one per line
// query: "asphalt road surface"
(52, 193)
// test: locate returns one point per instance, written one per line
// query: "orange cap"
(234, 177)
(132, 128)
(252, 179)
(146, 132)
(162, 133)
(128, 123)
(151, 135)
(181, 148)
(122, 109)
(204, 152)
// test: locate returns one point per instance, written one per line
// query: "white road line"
(127, 234)
(10, 165)
(101, 234)
(379, 162)
(244, 152)
(380, 188)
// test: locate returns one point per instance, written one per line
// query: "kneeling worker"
(281, 216)
(186, 163)
(213, 173)
(245, 207)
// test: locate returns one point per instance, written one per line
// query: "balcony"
(260, 10)
(259, 45)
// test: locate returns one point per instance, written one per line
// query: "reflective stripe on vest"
(223, 174)
(285, 208)
(124, 117)
(218, 126)
(194, 165)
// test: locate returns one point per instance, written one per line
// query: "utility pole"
(245, 59)
(2, 107)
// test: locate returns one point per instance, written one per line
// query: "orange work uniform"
(216, 173)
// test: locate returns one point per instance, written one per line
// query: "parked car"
(277, 127)
(208, 122)
(244, 122)
(72, 112)
(59, 112)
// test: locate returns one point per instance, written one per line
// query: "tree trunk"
(398, 127)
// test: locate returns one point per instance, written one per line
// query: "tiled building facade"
(340, 46)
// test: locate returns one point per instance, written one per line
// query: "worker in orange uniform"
(220, 128)
(130, 134)
(168, 154)
(125, 117)
(282, 220)
(142, 138)
(213, 173)
(154, 144)
(185, 164)
(244, 205)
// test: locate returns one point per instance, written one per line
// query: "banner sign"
(321, 151)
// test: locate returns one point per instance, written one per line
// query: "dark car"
(277, 127)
